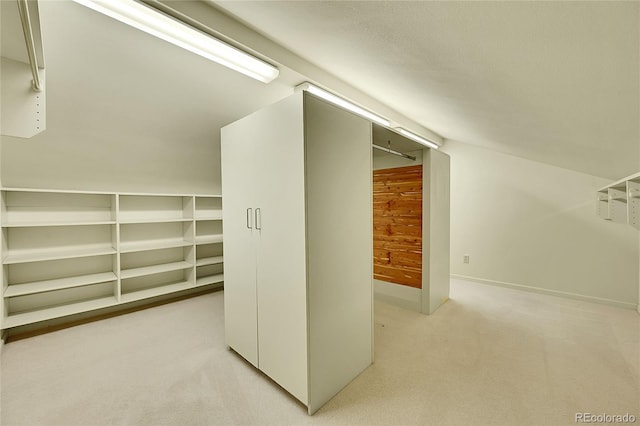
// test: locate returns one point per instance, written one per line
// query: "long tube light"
(341, 102)
(166, 28)
(417, 138)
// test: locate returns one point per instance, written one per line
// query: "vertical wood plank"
(397, 225)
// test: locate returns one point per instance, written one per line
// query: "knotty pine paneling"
(397, 225)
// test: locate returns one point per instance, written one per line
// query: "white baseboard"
(568, 295)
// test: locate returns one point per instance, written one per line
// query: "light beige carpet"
(490, 356)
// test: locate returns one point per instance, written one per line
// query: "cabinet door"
(282, 297)
(238, 183)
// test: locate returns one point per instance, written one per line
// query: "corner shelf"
(67, 252)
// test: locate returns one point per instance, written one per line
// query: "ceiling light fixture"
(341, 102)
(417, 138)
(166, 28)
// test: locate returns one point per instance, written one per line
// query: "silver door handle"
(249, 217)
(258, 218)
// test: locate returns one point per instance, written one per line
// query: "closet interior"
(410, 222)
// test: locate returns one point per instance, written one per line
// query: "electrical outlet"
(465, 259)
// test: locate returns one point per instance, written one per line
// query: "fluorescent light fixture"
(166, 28)
(417, 138)
(343, 103)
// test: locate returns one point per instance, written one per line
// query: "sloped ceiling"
(556, 82)
(126, 109)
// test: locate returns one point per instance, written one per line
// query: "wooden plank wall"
(397, 225)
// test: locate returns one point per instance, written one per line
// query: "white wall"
(124, 162)
(529, 224)
(127, 111)
(436, 230)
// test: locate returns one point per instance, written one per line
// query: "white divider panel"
(24, 112)
(602, 204)
(618, 204)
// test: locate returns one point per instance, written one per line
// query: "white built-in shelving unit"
(620, 201)
(67, 252)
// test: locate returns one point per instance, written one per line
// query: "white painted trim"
(567, 295)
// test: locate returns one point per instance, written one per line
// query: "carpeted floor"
(489, 356)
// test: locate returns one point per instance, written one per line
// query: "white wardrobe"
(296, 183)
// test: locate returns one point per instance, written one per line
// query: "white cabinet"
(66, 252)
(296, 180)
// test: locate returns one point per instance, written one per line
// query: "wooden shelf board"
(24, 256)
(55, 223)
(130, 247)
(620, 182)
(71, 191)
(155, 291)
(208, 239)
(209, 279)
(58, 284)
(56, 191)
(57, 311)
(154, 269)
(155, 220)
(622, 199)
(205, 261)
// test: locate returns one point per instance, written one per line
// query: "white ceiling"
(557, 82)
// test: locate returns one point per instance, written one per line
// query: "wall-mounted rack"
(619, 201)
